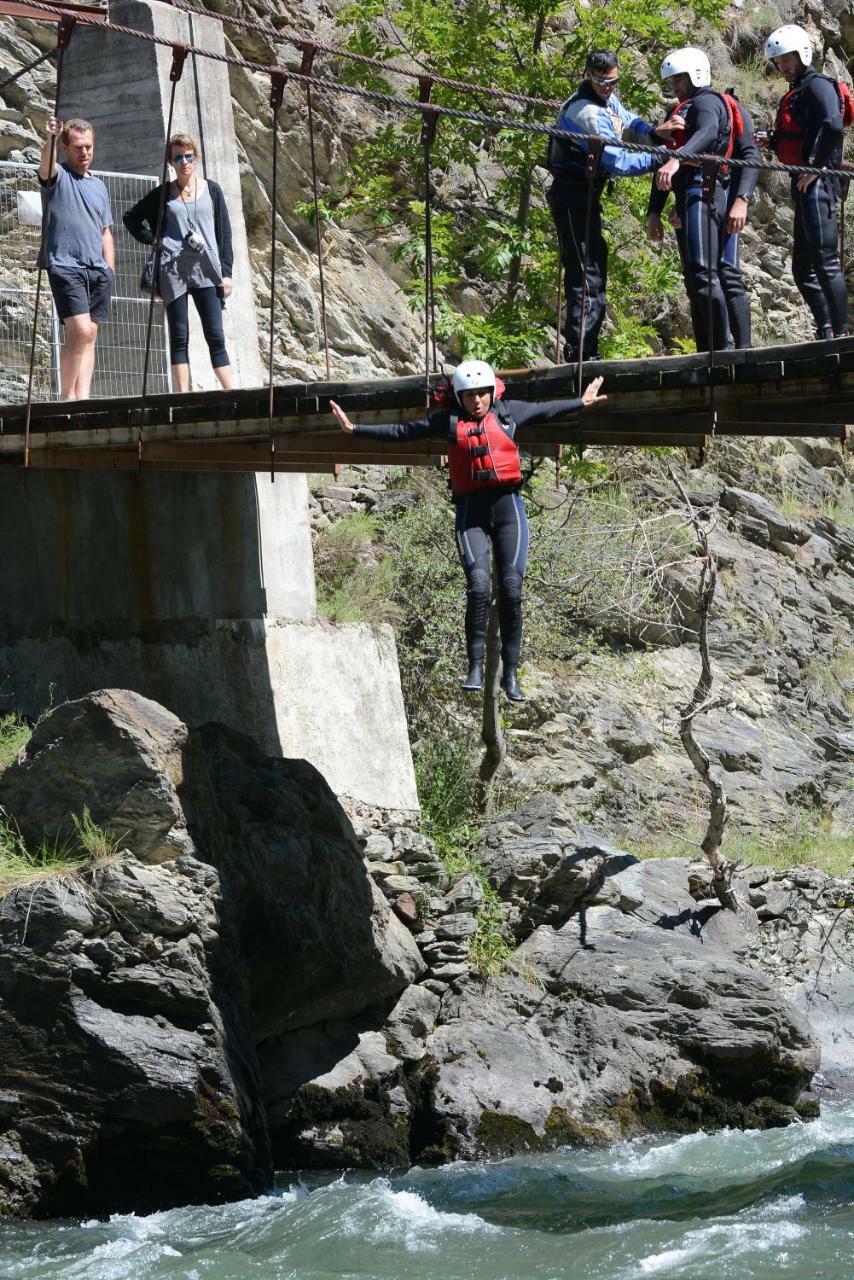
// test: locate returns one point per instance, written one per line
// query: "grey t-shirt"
(78, 211)
(182, 268)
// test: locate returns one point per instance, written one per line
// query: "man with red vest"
(739, 195)
(710, 129)
(808, 131)
(477, 431)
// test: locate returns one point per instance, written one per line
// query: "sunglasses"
(605, 84)
(186, 158)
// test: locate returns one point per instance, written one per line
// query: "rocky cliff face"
(230, 989)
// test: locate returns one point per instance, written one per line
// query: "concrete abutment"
(195, 590)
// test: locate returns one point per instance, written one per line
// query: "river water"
(730, 1204)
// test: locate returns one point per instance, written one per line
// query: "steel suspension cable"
(338, 87)
(63, 36)
(298, 39)
(23, 71)
(179, 57)
(277, 93)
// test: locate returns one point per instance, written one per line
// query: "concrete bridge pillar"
(195, 590)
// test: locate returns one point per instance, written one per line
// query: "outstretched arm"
(388, 430)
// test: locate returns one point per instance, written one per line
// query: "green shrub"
(15, 733)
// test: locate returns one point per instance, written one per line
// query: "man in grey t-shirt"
(78, 248)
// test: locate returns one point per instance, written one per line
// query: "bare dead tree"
(492, 734)
(701, 703)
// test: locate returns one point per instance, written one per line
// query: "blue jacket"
(583, 113)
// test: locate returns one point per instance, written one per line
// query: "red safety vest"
(482, 454)
(736, 123)
(789, 132)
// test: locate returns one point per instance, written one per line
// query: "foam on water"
(702, 1207)
(404, 1217)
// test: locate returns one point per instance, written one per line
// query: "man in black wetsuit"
(739, 193)
(477, 432)
(708, 130)
(808, 131)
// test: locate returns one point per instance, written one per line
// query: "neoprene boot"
(510, 685)
(474, 679)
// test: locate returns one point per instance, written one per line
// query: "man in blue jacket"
(594, 108)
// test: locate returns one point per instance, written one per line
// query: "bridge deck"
(801, 390)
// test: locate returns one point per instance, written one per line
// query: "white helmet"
(789, 39)
(473, 375)
(690, 62)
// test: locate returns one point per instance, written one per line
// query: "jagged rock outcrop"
(136, 999)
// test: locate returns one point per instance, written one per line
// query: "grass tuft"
(22, 866)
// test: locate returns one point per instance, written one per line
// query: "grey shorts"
(81, 291)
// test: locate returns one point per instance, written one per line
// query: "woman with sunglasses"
(196, 257)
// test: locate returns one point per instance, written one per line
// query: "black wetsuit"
(815, 250)
(707, 127)
(742, 183)
(493, 515)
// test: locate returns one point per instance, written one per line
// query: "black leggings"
(498, 520)
(815, 256)
(209, 308)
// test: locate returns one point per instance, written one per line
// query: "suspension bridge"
(797, 390)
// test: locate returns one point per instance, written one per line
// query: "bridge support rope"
(179, 57)
(277, 93)
(63, 36)
(428, 133)
(308, 51)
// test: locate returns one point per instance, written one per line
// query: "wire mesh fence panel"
(120, 352)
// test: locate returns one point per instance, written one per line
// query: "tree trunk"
(701, 702)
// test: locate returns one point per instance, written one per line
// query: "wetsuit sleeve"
(435, 426)
(821, 103)
(657, 201)
(526, 414)
(703, 120)
(745, 180)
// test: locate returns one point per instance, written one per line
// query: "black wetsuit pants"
(815, 256)
(701, 255)
(568, 203)
(493, 519)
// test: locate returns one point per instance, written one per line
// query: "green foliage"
(445, 779)
(14, 734)
(495, 229)
(353, 584)
(21, 866)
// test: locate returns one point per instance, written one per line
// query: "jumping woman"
(477, 432)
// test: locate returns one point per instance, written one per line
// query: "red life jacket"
(736, 123)
(482, 455)
(789, 132)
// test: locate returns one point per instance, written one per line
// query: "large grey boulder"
(114, 753)
(137, 998)
(626, 1027)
